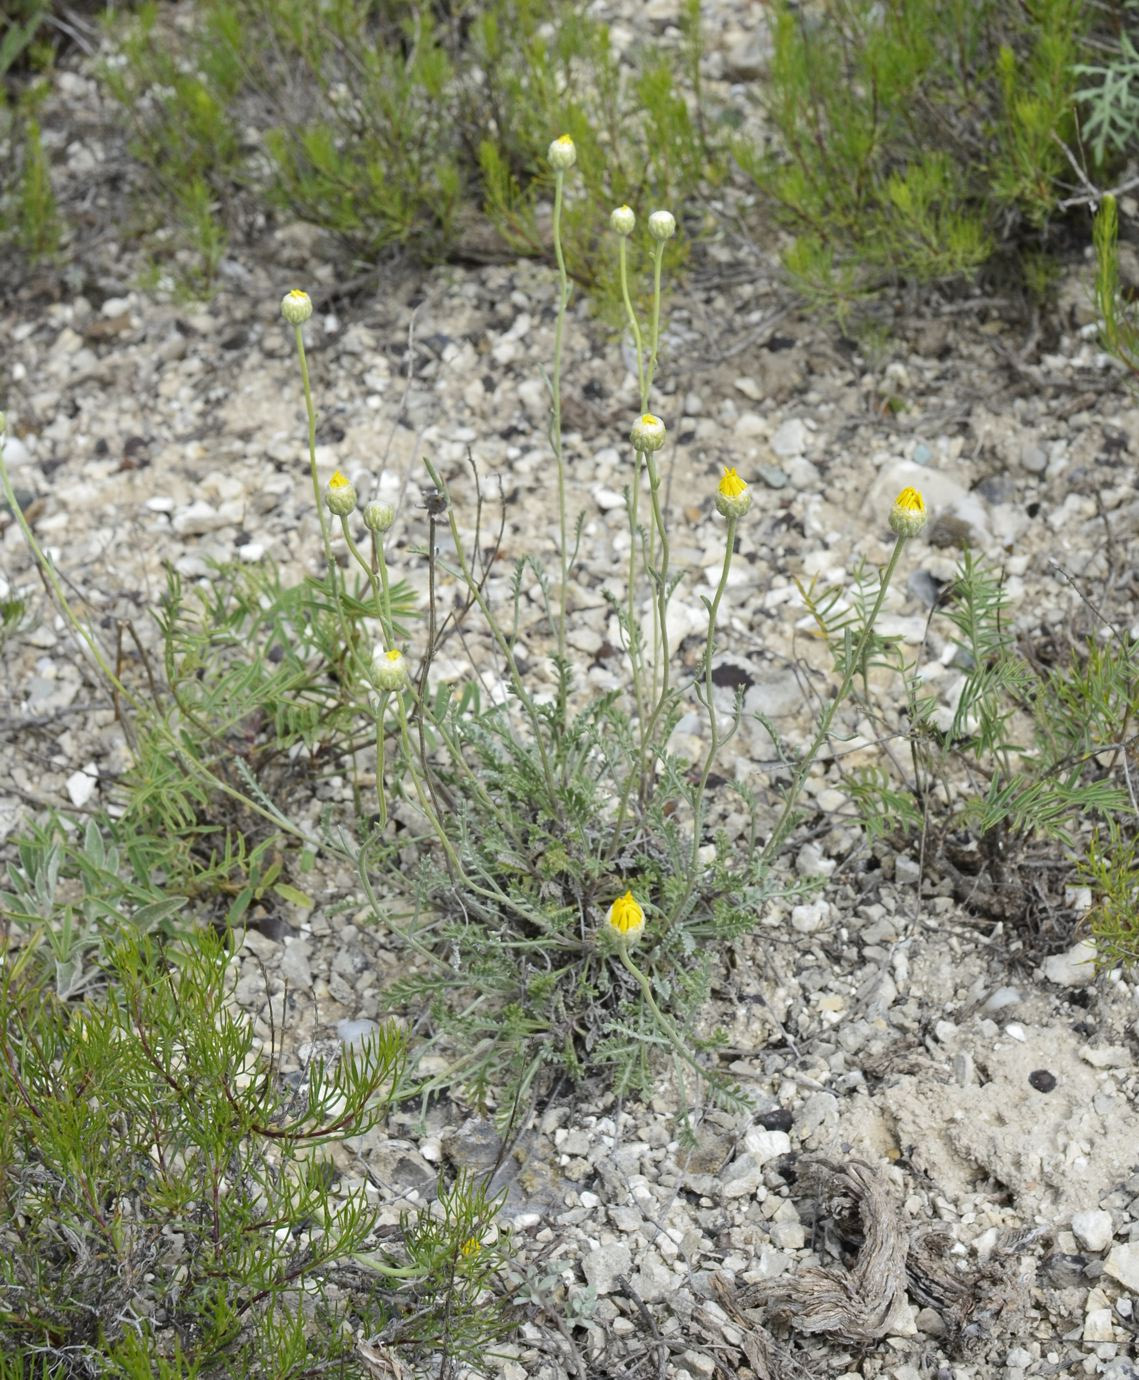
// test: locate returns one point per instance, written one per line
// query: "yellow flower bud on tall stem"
(560, 164)
(296, 319)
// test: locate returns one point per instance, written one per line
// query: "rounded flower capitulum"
(733, 497)
(389, 669)
(662, 225)
(378, 517)
(623, 220)
(908, 515)
(626, 916)
(340, 496)
(562, 153)
(648, 433)
(296, 307)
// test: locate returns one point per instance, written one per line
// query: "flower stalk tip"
(908, 515)
(378, 517)
(626, 917)
(562, 153)
(340, 496)
(296, 307)
(623, 220)
(648, 433)
(662, 225)
(389, 669)
(733, 497)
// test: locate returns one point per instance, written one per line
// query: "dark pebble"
(1042, 1080)
(777, 1119)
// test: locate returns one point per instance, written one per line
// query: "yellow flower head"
(470, 1247)
(908, 515)
(562, 153)
(626, 916)
(389, 669)
(623, 220)
(662, 225)
(648, 433)
(733, 497)
(340, 496)
(296, 307)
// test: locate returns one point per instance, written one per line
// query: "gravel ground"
(928, 1073)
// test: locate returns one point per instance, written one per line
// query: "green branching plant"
(1111, 868)
(398, 124)
(915, 138)
(1120, 318)
(1028, 755)
(167, 1205)
(570, 884)
(1111, 98)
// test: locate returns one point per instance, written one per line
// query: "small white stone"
(767, 1145)
(1107, 1057)
(1093, 1229)
(1123, 1264)
(809, 918)
(790, 438)
(354, 1032)
(81, 784)
(198, 518)
(16, 452)
(811, 862)
(1002, 997)
(1074, 968)
(1097, 1326)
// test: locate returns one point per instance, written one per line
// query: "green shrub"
(1030, 759)
(165, 1205)
(917, 139)
(394, 125)
(1120, 316)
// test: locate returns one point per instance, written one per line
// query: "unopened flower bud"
(340, 496)
(648, 433)
(623, 220)
(562, 153)
(908, 515)
(626, 916)
(296, 307)
(378, 517)
(733, 497)
(389, 669)
(662, 225)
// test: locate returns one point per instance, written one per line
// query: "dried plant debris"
(884, 1259)
(853, 1304)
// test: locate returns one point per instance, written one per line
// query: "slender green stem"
(377, 578)
(49, 572)
(636, 650)
(381, 792)
(634, 324)
(421, 794)
(850, 670)
(317, 497)
(675, 1039)
(556, 414)
(654, 351)
(661, 670)
(654, 335)
(173, 743)
(516, 681)
(713, 718)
